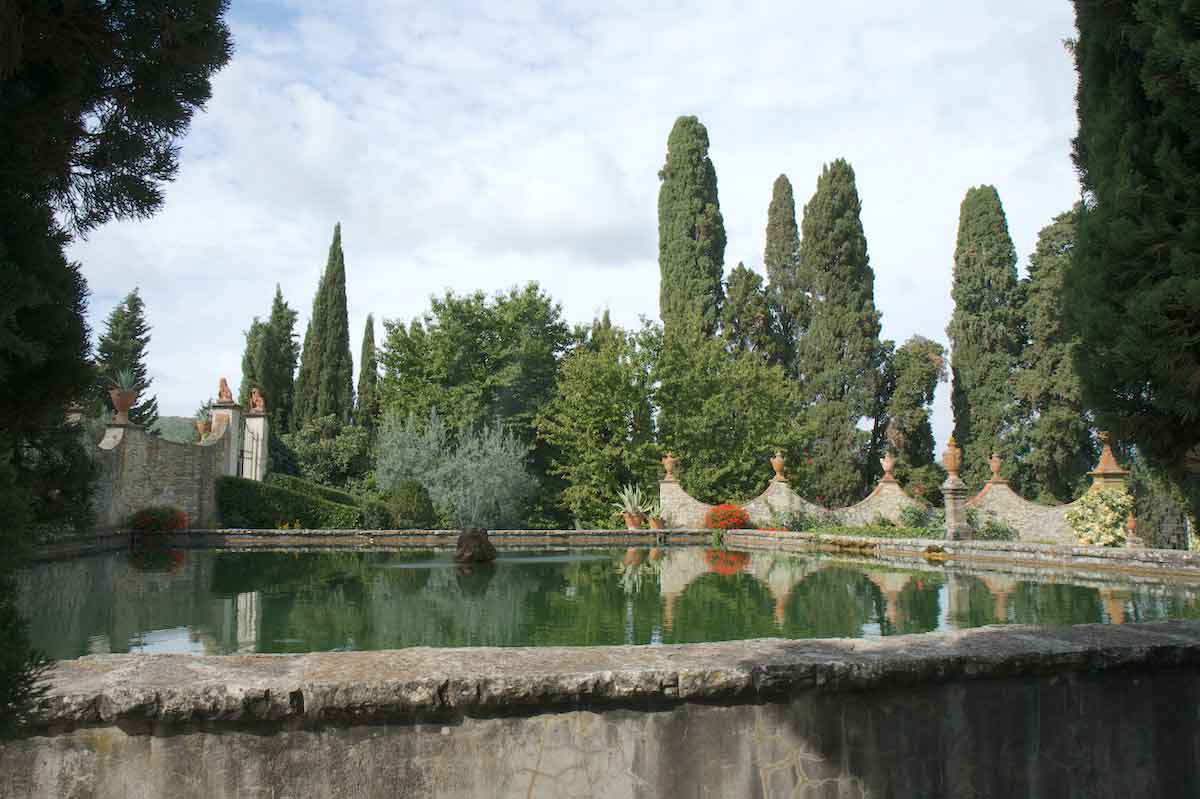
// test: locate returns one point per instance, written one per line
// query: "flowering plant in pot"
(653, 511)
(123, 394)
(629, 502)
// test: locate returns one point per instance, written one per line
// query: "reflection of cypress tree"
(834, 602)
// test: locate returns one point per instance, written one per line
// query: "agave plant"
(653, 509)
(124, 380)
(630, 500)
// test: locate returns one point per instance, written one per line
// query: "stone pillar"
(1107, 472)
(227, 427)
(954, 493)
(254, 446)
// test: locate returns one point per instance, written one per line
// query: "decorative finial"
(952, 457)
(257, 403)
(669, 464)
(777, 465)
(224, 395)
(888, 462)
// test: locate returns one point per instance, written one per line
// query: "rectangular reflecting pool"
(223, 602)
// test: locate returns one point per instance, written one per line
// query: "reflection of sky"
(176, 640)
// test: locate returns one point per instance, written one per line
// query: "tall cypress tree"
(123, 346)
(1057, 447)
(985, 331)
(691, 232)
(746, 319)
(366, 399)
(325, 382)
(786, 287)
(1133, 285)
(269, 362)
(841, 354)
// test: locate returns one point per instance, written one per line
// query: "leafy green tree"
(842, 360)
(598, 423)
(986, 334)
(723, 415)
(787, 289)
(1055, 436)
(367, 398)
(919, 365)
(325, 383)
(331, 453)
(746, 318)
(122, 347)
(1132, 289)
(480, 362)
(691, 232)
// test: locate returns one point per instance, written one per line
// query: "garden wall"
(1089, 711)
(1046, 524)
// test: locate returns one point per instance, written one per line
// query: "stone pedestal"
(954, 493)
(254, 446)
(227, 427)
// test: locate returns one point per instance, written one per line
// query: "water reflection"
(227, 602)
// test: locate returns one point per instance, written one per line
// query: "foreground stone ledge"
(423, 684)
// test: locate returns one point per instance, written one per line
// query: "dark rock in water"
(474, 578)
(474, 546)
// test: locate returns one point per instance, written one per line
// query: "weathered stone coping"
(152, 693)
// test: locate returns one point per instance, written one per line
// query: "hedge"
(317, 490)
(263, 505)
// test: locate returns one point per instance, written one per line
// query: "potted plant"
(123, 394)
(204, 420)
(629, 502)
(653, 511)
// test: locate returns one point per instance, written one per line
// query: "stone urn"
(122, 401)
(474, 546)
(777, 465)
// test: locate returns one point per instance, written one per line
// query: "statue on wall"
(257, 403)
(224, 395)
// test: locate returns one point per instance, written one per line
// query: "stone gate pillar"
(954, 493)
(227, 427)
(254, 439)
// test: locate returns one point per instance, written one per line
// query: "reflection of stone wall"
(137, 470)
(1033, 522)
(681, 510)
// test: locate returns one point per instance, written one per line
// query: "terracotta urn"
(634, 556)
(656, 554)
(657, 523)
(777, 465)
(633, 521)
(122, 401)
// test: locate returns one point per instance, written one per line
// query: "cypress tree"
(841, 354)
(269, 362)
(1133, 285)
(746, 319)
(1057, 447)
(786, 289)
(367, 399)
(123, 346)
(325, 382)
(691, 232)
(985, 333)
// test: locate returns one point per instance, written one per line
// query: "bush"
(378, 516)
(915, 516)
(800, 520)
(1099, 516)
(313, 489)
(158, 519)
(727, 517)
(249, 503)
(330, 453)
(410, 505)
(992, 529)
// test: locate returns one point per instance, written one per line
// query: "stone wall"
(1046, 524)
(1095, 711)
(137, 470)
(681, 510)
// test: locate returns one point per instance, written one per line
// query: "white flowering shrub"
(1098, 517)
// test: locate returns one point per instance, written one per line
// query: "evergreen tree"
(917, 368)
(276, 362)
(746, 320)
(366, 398)
(1057, 450)
(122, 347)
(250, 362)
(691, 232)
(986, 334)
(1133, 284)
(787, 290)
(325, 383)
(841, 356)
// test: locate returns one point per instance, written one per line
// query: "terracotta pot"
(122, 401)
(656, 554)
(657, 523)
(634, 556)
(633, 521)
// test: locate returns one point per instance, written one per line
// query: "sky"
(474, 147)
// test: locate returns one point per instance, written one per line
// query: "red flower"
(724, 562)
(727, 517)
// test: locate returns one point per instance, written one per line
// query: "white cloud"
(469, 147)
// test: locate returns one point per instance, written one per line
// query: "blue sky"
(466, 146)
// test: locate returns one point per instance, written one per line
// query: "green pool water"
(220, 602)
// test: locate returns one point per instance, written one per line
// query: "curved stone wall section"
(137, 469)
(887, 500)
(1044, 524)
(780, 498)
(679, 508)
